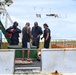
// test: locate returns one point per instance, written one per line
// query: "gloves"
(12, 30)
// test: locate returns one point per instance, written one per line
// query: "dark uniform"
(36, 30)
(25, 37)
(46, 42)
(15, 34)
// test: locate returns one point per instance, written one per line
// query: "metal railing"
(64, 43)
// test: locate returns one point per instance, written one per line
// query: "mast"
(4, 13)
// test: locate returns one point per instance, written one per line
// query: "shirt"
(25, 35)
(36, 31)
(47, 30)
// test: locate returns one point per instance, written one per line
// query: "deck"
(32, 69)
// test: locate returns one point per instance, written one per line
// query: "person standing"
(14, 31)
(36, 33)
(46, 36)
(26, 36)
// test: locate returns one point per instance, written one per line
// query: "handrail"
(11, 20)
(5, 33)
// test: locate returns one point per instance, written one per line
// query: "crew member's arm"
(38, 35)
(47, 36)
(32, 30)
(17, 30)
(40, 32)
(9, 29)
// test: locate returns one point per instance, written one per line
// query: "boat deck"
(28, 69)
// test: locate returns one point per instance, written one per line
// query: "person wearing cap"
(46, 36)
(36, 33)
(26, 36)
(14, 31)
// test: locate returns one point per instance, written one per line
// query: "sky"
(63, 27)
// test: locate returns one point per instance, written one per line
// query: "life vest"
(10, 35)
